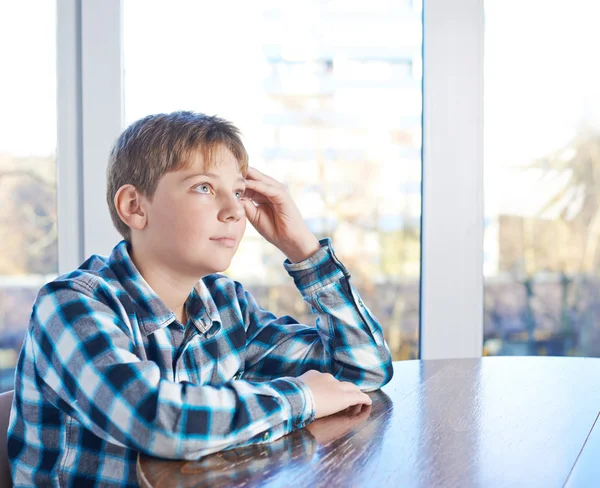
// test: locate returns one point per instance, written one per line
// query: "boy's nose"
(233, 211)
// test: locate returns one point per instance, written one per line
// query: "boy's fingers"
(263, 188)
(364, 398)
(255, 174)
(248, 193)
(255, 196)
(357, 397)
(349, 387)
(250, 209)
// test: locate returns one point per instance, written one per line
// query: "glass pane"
(28, 246)
(327, 103)
(542, 170)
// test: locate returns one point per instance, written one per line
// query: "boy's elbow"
(165, 450)
(381, 375)
(388, 371)
(169, 447)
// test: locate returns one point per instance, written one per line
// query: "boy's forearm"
(353, 339)
(186, 421)
(301, 249)
(348, 342)
(352, 336)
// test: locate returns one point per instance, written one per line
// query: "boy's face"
(195, 221)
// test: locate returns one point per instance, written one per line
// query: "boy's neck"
(171, 288)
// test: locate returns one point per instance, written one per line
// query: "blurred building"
(343, 129)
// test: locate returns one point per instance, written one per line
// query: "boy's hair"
(161, 143)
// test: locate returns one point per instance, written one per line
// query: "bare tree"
(579, 198)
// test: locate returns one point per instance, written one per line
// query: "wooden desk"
(451, 423)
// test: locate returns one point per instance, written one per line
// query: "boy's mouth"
(227, 241)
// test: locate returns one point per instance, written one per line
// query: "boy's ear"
(128, 202)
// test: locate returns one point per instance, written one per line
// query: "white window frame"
(452, 223)
(90, 117)
(102, 109)
(90, 98)
(68, 151)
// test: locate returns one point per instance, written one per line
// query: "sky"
(541, 73)
(542, 77)
(28, 80)
(541, 82)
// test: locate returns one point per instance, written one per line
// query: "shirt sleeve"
(85, 365)
(347, 341)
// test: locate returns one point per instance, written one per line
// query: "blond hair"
(161, 143)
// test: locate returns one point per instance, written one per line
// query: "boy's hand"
(331, 395)
(276, 217)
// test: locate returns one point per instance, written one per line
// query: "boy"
(150, 351)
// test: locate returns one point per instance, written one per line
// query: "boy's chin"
(215, 267)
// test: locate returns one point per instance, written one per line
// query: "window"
(28, 247)
(328, 107)
(542, 170)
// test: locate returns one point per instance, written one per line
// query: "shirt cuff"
(299, 399)
(317, 271)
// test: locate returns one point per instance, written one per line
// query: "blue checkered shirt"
(107, 371)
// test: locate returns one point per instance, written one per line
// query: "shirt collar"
(151, 311)
(202, 310)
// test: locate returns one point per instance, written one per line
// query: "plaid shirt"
(107, 371)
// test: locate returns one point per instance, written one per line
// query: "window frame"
(452, 220)
(90, 117)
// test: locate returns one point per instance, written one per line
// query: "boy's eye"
(203, 188)
(239, 194)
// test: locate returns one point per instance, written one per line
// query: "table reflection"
(289, 458)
